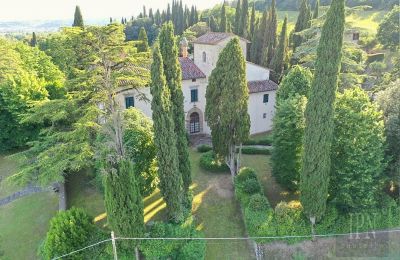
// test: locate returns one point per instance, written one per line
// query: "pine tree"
(223, 23)
(357, 153)
(213, 24)
(244, 19)
(173, 75)
(124, 203)
(165, 139)
(319, 115)
(33, 41)
(143, 46)
(303, 22)
(237, 18)
(252, 22)
(78, 20)
(277, 63)
(226, 92)
(316, 10)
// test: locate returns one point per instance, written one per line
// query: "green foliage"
(278, 61)
(245, 174)
(244, 19)
(297, 81)
(69, 230)
(143, 46)
(258, 202)
(251, 186)
(389, 29)
(209, 162)
(33, 41)
(237, 18)
(316, 10)
(289, 124)
(132, 29)
(212, 23)
(357, 153)
(193, 250)
(314, 179)
(224, 21)
(203, 148)
(266, 141)
(270, 39)
(78, 20)
(227, 83)
(173, 76)
(303, 22)
(140, 148)
(165, 139)
(256, 150)
(375, 57)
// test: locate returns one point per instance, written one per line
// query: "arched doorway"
(194, 124)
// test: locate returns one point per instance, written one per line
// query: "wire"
(226, 238)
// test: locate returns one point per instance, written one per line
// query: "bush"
(193, 250)
(375, 57)
(251, 186)
(258, 202)
(245, 174)
(255, 150)
(209, 163)
(266, 141)
(204, 148)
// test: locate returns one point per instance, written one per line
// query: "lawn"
(7, 167)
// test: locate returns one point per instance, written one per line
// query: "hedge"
(266, 141)
(256, 150)
(375, 57)
(209, 163)
(204, 148)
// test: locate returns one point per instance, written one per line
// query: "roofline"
(215, 43)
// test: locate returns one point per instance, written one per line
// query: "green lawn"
(24, 223)
(7, 167)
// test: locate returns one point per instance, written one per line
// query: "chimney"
(183, 45)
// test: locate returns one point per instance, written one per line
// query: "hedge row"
(266, 141)
(375, 57)
(256, 150)
(204, 148)
(209, 162)
(288, 219)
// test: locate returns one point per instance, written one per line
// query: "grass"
(7, 167)
(366, 20)
(24, 223)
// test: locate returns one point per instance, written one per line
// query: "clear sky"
(91, 9)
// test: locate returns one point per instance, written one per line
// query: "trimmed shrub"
(204, 148)
(209, 163)
(375, 57)
(245, 174)
(251, 186)
(256, 150)
(258, 202)
(266, 141)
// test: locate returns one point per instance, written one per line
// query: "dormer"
(207, 47)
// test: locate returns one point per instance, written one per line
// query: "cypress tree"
(259, 40)
(277, 62)
(196, 15)
(144, 12)
(124, 203)
(297, 81)
(165, 139)
(226, 92)
(78, 20)
(173, 75)
(303, 22)
(223, 23)
(143, 46)
(213, 24)
(270, 36)
(319, 114)
(252, 22)
(168, 14)
(33, 41)
(157, 18)
(244, 19)
(192, 14)
(316, 10)
(151, 16)
(237, 18)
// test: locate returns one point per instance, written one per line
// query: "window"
(265, 98)
(129, 102)
(193, 80)
(194, 123)
(265, 115)
(194, 95)
(356, 36)
(204, 56)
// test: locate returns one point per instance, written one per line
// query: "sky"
(15, 10)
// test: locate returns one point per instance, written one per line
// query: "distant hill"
(41, 25)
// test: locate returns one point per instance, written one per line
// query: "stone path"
(30, 189)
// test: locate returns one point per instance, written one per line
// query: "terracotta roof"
(190, 70)
(261, 86)
(213, 38)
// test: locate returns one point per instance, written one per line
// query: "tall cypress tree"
(303, 22)
(168, 14)
(33, 41)
(143, 46)
(173, 75)
(259, 44)
(224, 21)
(151, 15)
(278, 61)
(319, 114)
(226, 92)
(165, 139)
(316, 10)
(78, 20)
(244, 19)
(192, 14)
(252, 22)
(144, 12)
(237, 18)
(270, 36)
(213, 24)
